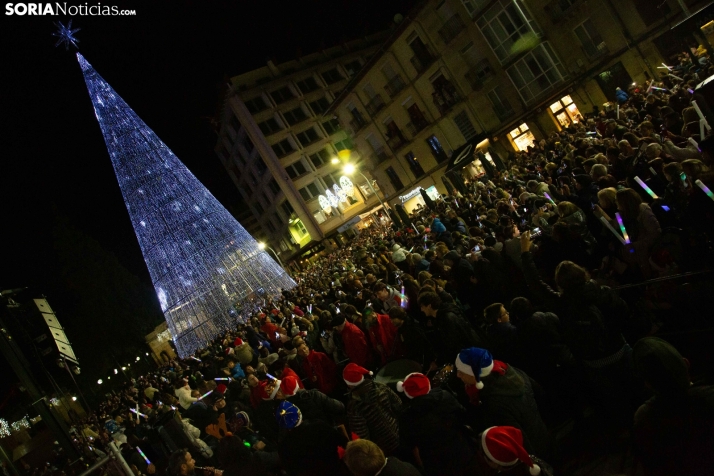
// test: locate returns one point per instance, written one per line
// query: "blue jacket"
(437, 226)
(237, 372)
(621, 96)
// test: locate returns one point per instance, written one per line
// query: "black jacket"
(416, 346)
(591, 318)
(453, 334)
(315, 405)
(434, 423)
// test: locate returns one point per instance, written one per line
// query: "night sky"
(170, 63)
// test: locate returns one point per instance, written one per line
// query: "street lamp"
(100, 381)
(263, 246)
(350, 169)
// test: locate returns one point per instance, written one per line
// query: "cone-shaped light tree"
(206, 269)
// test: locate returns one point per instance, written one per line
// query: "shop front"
(472, 161)
(413, 199)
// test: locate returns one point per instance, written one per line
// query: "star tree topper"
(66, 35)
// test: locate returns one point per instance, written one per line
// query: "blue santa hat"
(475, 362)
(288, 415)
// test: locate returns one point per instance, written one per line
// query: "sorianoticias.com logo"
(62, 8)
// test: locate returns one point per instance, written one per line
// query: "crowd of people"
(494, 308)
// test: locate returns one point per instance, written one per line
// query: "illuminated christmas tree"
(205, 267)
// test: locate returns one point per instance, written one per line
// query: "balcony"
(445, 97)
(422, 61)
(379, 155)
(375, 105)
(451, 28)
(477, 75)
(357, 123)
(394, 86)
(417, 125)
(396, 142)
(504, 112)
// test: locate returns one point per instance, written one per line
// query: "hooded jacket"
(372, 414)
(508, 400)
(433, 423)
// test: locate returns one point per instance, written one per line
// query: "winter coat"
(591, 317)
(315, 405)
(355, 345)
(397, 467)
(244, 354)
(412, 343)
(434, 423)
(422, 265)
(621, 96)
(508, 400)
(452, 334)
(184, 396)
(372, 414)
(381, 334)
(320, 366)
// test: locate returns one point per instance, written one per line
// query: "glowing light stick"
(221, 379)
(647, 189)
(196, 359)
(705, 189)
(702, 119)
(622, 228)
(456, 203)
(138, 413)
(425, 237)
(403, 299)
(693, 142)
(653, 171)
(548, 197)
(618, 111)
(310, 308)
(668, 67)
(675, 77)
(270, 377)
(205, 395)
(614, 232)
(659, 89)
(143, 455)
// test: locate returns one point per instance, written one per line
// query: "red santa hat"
(220, 388)
(504, 446)
(415, 385)
(289, 385)
(354, 374)
(229, 350)
(263, 385)
(238, 342)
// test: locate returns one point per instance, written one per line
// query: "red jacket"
(382, 333)
(355, 345)
(320, 366)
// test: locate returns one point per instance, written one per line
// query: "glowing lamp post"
(263, 246)
(350, 169)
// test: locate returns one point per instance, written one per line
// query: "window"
(344, 144)
(522, 137)
(269, 126)
(269, 225)
(500, 104)
(332, 126)
(565, 111)
(451, 29)
(464, 124)
(287, 209)
(309, 191)
(394, 178)
(282, 95)
(506, 22)
(296, 169)
(260, 166)
(307, 85)
(256, 104)
(473, 6)
(248, 144)
(320, 105)
(414, 164)
(436, 149)
(331, 76)
(589, 38)
(274, 187)
(295, 115)
(258, 207)
(536, 73)
(320, 158)
(330, 180)
(308, 136)
(283, 148)
(353, 66)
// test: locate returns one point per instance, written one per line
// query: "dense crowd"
(492, 307)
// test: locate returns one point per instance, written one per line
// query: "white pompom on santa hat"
(504, 446)
(415, 385)
(353, 374)
(289, 386)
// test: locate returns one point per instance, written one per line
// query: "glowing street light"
(74, 399)
(100, 381)
(116, 371)
(263, 246)
(335, 160)
(138, 359)
(123, 368)
(350, 169)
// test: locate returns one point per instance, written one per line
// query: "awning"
(465, 154)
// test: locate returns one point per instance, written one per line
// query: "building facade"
(499, 74)
(280, 149)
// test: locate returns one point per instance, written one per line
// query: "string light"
(347, 185)
(23, 424)
(190, 242)
(4, 428)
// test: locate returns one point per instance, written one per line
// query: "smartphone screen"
(477, 248)
(535, 232)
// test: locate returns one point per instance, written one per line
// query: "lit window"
(522, 137)
(565, 111)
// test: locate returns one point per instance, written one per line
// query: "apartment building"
(278, 147)
(492, 77)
